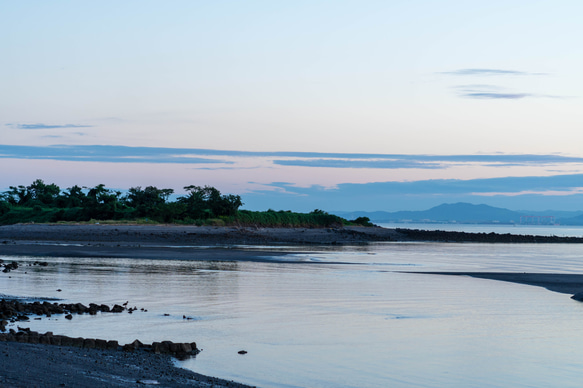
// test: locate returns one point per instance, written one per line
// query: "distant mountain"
(577, 220)
(468, 213)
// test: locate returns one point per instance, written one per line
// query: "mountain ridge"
(462, 212)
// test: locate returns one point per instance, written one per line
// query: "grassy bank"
(270, 218)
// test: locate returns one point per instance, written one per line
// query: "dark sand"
(174, 242)
(563, 283)
(32, 365)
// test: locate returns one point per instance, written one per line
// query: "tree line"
(42, 202)
(100, 203)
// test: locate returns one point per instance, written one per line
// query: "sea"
(342, 316)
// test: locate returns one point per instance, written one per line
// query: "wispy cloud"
(47, 126)
(497, 96)
(492, 92)
(124, 154)
(350, 163)
(488, 72)
(108, 154)
(505, 185)
(484, 91)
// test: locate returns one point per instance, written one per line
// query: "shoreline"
(561, 283)
(185, 242)
(40, 365)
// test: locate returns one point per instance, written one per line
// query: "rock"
(133, 346)
(77, 342)
(33, 337)
(66, 341)
(186, 348)
(113, 345)
(578, 296)
(56, 340)
(100, 344)
(117, 309)
(174, 348)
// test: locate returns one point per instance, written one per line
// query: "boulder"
(113, 345)
(100, 344)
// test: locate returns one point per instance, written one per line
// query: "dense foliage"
(40, 202)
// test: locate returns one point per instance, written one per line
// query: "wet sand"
(563, 283)
(174, 242)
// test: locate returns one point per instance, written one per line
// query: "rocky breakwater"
(447, 236)
(12, 311)
(24, 335)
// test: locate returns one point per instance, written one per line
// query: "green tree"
(4, 207)
(18, 195)
(102, 203)
(43, 193)
(147, 202)
(72, 197)
(205, 202)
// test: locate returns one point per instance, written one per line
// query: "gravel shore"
(32, 365)
(174, 242)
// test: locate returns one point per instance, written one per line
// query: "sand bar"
(563, 283)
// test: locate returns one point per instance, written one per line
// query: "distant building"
(537, 220)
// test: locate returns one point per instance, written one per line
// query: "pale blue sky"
(382, 79)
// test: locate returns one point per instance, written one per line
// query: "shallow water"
(342, 318)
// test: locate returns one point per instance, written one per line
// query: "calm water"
(541, 230)
(344, 317)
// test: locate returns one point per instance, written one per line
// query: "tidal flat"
(308, 314)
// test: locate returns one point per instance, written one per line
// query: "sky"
(297, 105)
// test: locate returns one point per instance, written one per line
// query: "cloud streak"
(492, 92)
(488, 72)
(505, 185)
(498, 96)
(349, 163)
(124, 154)
(46, 126)
(107, 154)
